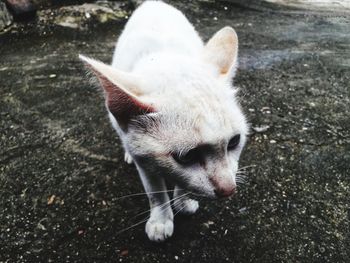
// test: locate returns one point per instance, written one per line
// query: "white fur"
(161, 62)
(155, 27)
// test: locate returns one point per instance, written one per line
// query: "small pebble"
(242, 210)
(261, 128)
(51, 199)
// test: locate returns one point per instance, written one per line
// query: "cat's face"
(197, 146)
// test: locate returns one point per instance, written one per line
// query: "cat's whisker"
(241, 177)
(179, 210)
(174, 199)
(246, 167)
(241, 182)
(180, 198)
(183, 207)
(162, 205)
(132, 226)
(144, 193)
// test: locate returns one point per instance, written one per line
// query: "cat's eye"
(193, 156)
(233, 143)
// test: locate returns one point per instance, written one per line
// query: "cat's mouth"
(213, 194)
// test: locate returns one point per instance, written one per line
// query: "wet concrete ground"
(62, 169)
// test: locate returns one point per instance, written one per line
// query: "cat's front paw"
(159, 231)
(186, 206)
(160, 225)
(127, 158)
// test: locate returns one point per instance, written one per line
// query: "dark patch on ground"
(62, 169)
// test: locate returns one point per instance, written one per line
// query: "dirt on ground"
(61, 164)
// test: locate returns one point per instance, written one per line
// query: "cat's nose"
(225, 192)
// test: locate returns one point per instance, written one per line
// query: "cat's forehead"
(199, 122)
(199, 108)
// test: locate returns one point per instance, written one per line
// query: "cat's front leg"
(160, 225)
(182, 203)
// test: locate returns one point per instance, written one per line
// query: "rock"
(79, 16)
(5, 17)
(261, 128)
(21, 9)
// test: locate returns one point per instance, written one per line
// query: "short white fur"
(168, 93)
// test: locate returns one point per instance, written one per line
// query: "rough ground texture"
(62, 169)
(327, 6)
(5, 17)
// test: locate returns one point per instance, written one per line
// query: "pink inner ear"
(122, 105)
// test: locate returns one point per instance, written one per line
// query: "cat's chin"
(195, 194)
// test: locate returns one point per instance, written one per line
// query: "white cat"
(171, 101)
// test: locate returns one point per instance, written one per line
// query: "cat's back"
(154, 27)
(157, 16)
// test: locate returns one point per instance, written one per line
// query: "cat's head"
(185, 125)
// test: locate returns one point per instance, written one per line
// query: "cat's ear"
(122, 91)
(222, 50)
